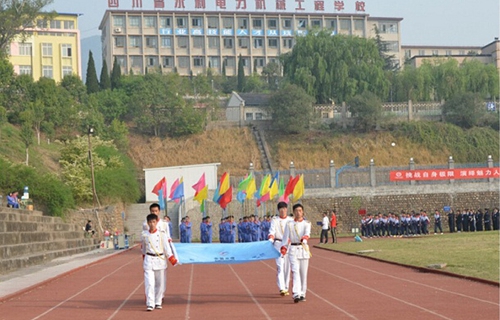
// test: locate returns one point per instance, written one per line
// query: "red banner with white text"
(445, 174)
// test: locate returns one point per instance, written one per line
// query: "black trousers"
(334, 234)
(324, 234)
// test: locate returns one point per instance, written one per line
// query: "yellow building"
(51, 49)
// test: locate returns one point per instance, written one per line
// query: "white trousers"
(154, 285)
(283, 273)
(299, 268)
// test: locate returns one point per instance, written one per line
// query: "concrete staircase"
(28, 238)
(265, 155)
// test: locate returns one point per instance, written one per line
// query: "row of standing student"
(474, 220)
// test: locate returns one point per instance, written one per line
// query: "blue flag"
(241, 196)
(225, 253)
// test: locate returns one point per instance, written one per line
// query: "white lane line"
(411, 281)
(250, 293)
(125, 301)
(384, 294)
(321, 298)
(81, 291)
(190, 290)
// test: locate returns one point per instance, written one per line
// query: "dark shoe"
(302, 299)
(296, 299)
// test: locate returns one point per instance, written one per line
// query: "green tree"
(113, 105)
(104, 80)
(27, 138)
(366, 109)
(241, 75)
(291, 109)
(17, 16)
(3, 119)
(91, 77)
(335, 67)
(383, 50)
(116, 74)
(449, 79)
(254, 83)
(465, 110)
(272, 74)
(45, 102)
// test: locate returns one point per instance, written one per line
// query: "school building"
(190, 36)
(51, 48)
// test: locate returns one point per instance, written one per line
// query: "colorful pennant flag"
(240, 196)
(226, 198)
(290, 186)
(243, 185)
(273, 190)
(264, 185)
(172, 188)
(160, 189)
(200, 184)
(179, 190)
(298, 191)
(201, 195)
(224, 183)
(251, 189)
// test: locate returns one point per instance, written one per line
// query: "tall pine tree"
(116, 74)
(241, 74)
(104, 80)
(91, 79)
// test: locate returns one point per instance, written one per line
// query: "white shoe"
(149, 308)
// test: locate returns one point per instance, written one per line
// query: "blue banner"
(225, 253)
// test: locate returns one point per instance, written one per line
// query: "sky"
(425, 22)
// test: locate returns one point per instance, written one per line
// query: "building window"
(198, 62)
(55, 24)
(272, 23)
(152, 61)
(198, 42)
(213, 42)
(257, 23)
(288, 43)
(69, 24)
(248, 116)
(229, 61)
(134, 41)
(67, 71)
(228, 23)
(134, 21)
(47, 50)
(273, 43)
(166, 42)
(388, 28)
(25, 49)
(435, 52)
(183, 62)
(167, 61)
(258, 62)
(197, 22)
(136, 62)
(122, 62)
(165, 22)
(242, 23)
(214, 62)
(228, 43)
(119, 41)
(118, 21)
(213, 23)
(47, 72)
(302, 23)
(181, 22)
(25, 70)
(286, 23)
(316, 23)
(345, 24)
(42, 24)
(150, 22)
(258, 116)
(152, 42)
(359, 25)
(66, 50)
(461, 52)
(182, 42)
(448, 52)
(392, 46)
(421, 52)
(243, 42)
(258, 42)
(245, 61)
(407, 53)
(332, 24)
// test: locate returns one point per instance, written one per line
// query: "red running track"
(340, 287)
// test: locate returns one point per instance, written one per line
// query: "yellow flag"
(202, 195)
(224, 183)
(251, 189)
(264, 188)
(298, 192)
(273, 191)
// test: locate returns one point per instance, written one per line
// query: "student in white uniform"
(295, 237)
(276, 231)
(155, 250)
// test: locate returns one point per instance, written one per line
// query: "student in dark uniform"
(487, 220)
(465, 221)
(459, 221)
(437, 222)
(496, 219)
(451, 220)
(479, 220)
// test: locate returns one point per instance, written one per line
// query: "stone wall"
(107, 218)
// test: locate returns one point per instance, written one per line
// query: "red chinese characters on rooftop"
(260, 4)
(241, 4)
(136, 3)
(299, 5)
(159, 4)
(339, 5)
(199, 4)
(319, 5)
(445, 174)
(360, 6)
(220, 4)
(179, 4)
(113, 3)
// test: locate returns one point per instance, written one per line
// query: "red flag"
(226, 198)
(158, 186)
(198, 186)
(291, 186)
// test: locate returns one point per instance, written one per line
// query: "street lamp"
(94, 193)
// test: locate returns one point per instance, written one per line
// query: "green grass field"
(471, 254)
